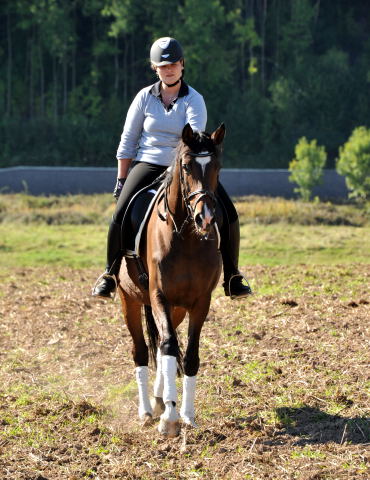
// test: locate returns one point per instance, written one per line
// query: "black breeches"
(227, 205)
(141, 175)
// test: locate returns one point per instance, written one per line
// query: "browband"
(203, 154)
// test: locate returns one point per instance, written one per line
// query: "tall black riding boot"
(106, 284)
(233, 279)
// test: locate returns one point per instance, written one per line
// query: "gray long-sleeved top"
(152, 131)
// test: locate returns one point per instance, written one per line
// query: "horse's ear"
(219, 134)
(187, 134)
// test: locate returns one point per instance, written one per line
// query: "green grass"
(81, 246)
(281, 244)
(71, 231)
(76, 246)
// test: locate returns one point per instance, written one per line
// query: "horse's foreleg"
(191, 364)
(158, 405)
(169, 422)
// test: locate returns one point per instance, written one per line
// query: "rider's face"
(170, 73)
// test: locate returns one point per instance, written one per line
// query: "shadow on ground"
(313, 426)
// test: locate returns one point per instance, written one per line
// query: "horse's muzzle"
(204, 220)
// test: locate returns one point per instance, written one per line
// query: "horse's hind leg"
(132, 313)
(191, 363)
(157, 401)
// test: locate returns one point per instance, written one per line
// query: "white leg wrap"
(169, 369)
(187, 411)
(142, 375)
(158, 384)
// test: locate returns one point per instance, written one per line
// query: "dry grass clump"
(56, 210)
(267, 210)
(97, 209)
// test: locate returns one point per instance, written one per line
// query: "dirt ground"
(283, 389)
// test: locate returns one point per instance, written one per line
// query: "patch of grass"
(81, 246)
(308, 452)
(268, 210)
(56, 210)
(78, 246)
(280, 244)
(72, 231)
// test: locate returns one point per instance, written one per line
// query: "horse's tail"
(153, 336)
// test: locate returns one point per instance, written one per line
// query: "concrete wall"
(238, 182)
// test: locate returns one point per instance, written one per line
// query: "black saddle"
(136, 216)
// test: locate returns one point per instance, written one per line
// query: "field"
(284, 383)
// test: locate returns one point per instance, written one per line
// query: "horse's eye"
(186, 167)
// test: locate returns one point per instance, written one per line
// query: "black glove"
(118, 188)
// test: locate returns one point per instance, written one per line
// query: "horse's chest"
(193, 271)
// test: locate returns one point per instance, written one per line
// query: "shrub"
(354, 163)
(307, 166)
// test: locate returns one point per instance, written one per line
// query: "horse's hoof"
(189, 421)
(158, 406)
(168, 428)
(146, 419)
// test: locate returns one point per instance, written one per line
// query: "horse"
(180, 254)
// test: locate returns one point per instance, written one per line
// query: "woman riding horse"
(153, 127)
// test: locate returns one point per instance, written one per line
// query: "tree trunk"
(9, 67)
(42, 82)
(125, 61)
(263, 36)
(55, 90)
(116, 69)
(31, 93)
(277, 24)
(65, 85)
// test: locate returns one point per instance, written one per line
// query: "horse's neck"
(175, 199)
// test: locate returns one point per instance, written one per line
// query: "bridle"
(187, 195)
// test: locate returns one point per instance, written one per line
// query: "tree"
(354, 163)
(307, 166)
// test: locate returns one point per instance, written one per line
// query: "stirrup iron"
(102, 276)
(232, 297)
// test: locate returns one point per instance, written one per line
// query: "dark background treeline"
(272, 70)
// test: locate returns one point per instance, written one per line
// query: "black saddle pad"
(134, 217)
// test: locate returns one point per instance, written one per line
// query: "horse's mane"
(201, 142)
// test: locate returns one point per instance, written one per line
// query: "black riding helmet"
(164, 51)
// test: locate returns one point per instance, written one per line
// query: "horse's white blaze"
(142, 374)
(169, 369)
(158, 382)
(203, 162)
(207, 216)
(187, 410)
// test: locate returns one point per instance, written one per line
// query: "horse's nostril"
(199, 219)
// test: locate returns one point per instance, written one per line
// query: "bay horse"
(180, 253)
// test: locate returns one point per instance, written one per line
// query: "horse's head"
(200, 164)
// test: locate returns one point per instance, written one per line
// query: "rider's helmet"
(165, 50)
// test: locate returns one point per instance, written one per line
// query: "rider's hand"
(118, 188)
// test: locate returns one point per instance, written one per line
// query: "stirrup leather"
(232, 297)
(109, 276)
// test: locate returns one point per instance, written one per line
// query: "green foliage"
(307, 167)
(272, 71)
(354, 163)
